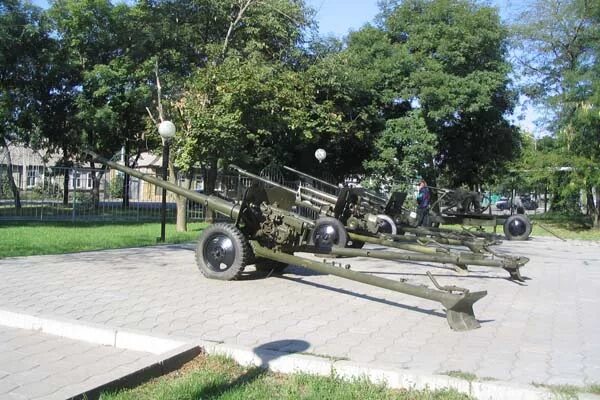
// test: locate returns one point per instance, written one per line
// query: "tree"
(558, 51)
(459, 79)
(238, 101)
(430, 76)
(25, 63)
(403, 150)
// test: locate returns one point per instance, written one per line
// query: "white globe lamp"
(166, 129)
(320, 155)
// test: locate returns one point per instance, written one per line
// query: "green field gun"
(393, 207)
(363, 227)
(266, 235)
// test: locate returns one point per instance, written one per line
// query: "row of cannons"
(267, 231)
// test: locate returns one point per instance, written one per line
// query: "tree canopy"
(424, 91)
(558, 49)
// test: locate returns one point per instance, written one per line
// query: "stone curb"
(92, 333)
(171, 353)
(409, 379)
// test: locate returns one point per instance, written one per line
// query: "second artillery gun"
(261, 231)
(394, 207)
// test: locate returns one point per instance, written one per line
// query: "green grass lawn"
(564, 226)
(213, 377)
(34, 238)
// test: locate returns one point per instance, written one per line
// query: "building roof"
(22, 155)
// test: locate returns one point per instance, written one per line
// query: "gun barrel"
(367, 193)
(327, 197)
(260, 178)
(222, 206)
(331, 185)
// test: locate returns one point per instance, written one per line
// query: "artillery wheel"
(267, 265)
(328, 233)
(223, 252)
(517, 227)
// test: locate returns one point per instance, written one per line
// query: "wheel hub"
(326, 236)
(219, 252)
(517, 228)
(384, 226)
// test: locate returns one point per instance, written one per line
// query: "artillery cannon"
(460, 207)
(348, 211)
(261, 232)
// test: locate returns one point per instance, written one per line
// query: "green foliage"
(423, 91)
(460, 81)
(115, 187)
(25, 63)
(5, 189)
(559, 53)
(46, 190)
(248, 110)
(404, 149)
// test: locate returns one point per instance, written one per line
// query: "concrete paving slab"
(40, 365)
(547, 322)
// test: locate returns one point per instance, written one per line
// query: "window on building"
(33, 175)
(83, 180)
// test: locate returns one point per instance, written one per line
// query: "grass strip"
(216, 377)
(36, 238)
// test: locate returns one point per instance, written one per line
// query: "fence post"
(73, 214)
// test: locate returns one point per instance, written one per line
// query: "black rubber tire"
(328, 233)
(267, 265)
(517, 227)
(223, 252)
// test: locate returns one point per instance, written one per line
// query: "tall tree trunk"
(210, 183)
(180, 201)
(96, 178)
(66, 164)
(9, 173)
(66, 187)
(126, 178)
(596, 208)
(590, 207)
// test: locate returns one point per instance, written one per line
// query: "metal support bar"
(459, 307)
(456, 259)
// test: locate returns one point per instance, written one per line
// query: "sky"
(338, 17)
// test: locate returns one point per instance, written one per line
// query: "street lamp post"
(166, 129)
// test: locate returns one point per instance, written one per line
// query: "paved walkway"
(545, 331)
(35, 365)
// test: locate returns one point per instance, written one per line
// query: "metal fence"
(42, 196)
